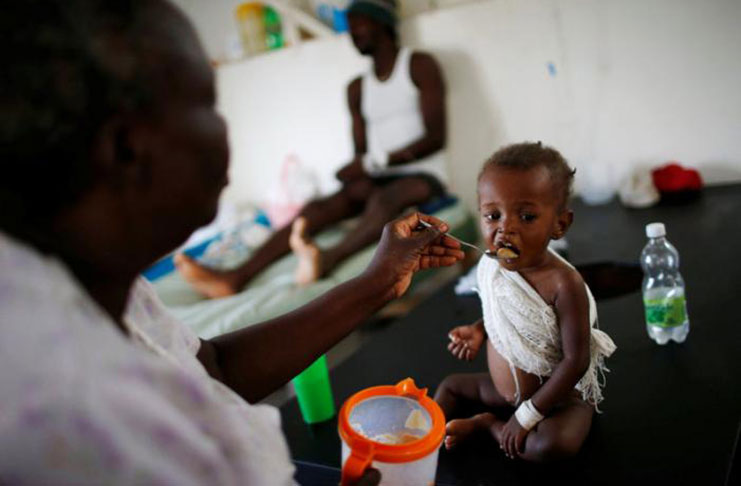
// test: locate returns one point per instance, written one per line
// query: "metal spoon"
(489, 253)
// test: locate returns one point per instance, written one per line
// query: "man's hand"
(404, 249)
(465, 341)
(513, 438)
(351, 171)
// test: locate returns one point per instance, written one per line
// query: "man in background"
(399, 130)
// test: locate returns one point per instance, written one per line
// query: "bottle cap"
(655, 230)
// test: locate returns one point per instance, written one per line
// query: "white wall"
(636, 82)
(214, 20)
(290, 101)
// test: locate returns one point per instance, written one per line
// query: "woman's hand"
(371, 477)
(404, 249)
(465, 341)
(513, 437)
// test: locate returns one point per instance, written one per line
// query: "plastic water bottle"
(663, 288)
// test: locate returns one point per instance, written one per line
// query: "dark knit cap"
(382, 11)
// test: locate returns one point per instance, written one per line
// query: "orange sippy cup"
(397, 429)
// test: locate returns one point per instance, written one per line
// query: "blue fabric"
(437, 204)
(167, 265)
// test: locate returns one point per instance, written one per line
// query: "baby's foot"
(458, 430)
(309, 257)
(211, 283)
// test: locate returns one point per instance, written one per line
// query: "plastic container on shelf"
(273, 28)
(251, 24)
(332, 12)
(599, 185)
(396, 429)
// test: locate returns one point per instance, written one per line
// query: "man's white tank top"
(393, 118)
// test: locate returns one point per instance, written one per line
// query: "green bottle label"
(671, 312)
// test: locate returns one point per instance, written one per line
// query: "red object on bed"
(673, 178)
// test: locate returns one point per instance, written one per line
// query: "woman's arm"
(257, 360)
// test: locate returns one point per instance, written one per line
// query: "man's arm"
(257, 360)
(427, 76)
(354, 169)
(354, 95)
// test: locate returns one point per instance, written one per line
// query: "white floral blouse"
(82, 403)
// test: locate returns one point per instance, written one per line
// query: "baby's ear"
(563, 223)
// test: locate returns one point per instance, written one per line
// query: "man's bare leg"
(307, 252)
(209, 282)
(318, 214)
(384, 204)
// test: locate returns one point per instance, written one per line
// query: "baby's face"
(519, 209)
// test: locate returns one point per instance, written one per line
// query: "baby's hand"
(512, 440)
(465, 341)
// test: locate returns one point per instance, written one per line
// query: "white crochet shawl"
(523, 328)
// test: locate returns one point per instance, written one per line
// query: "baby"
(543, 351)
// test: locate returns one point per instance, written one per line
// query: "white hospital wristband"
(527, 415)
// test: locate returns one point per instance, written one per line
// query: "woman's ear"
(120, 154)
(563, 223)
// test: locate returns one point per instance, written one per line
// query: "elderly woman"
(112, 154)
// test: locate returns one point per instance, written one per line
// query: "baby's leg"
(464, 389)
(561, 434)
(467, 388)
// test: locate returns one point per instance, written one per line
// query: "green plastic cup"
(314, 392)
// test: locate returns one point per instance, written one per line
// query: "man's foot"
(309, 257)
(211, 283)
(459, 430)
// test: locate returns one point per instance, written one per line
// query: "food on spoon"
(506, 253)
